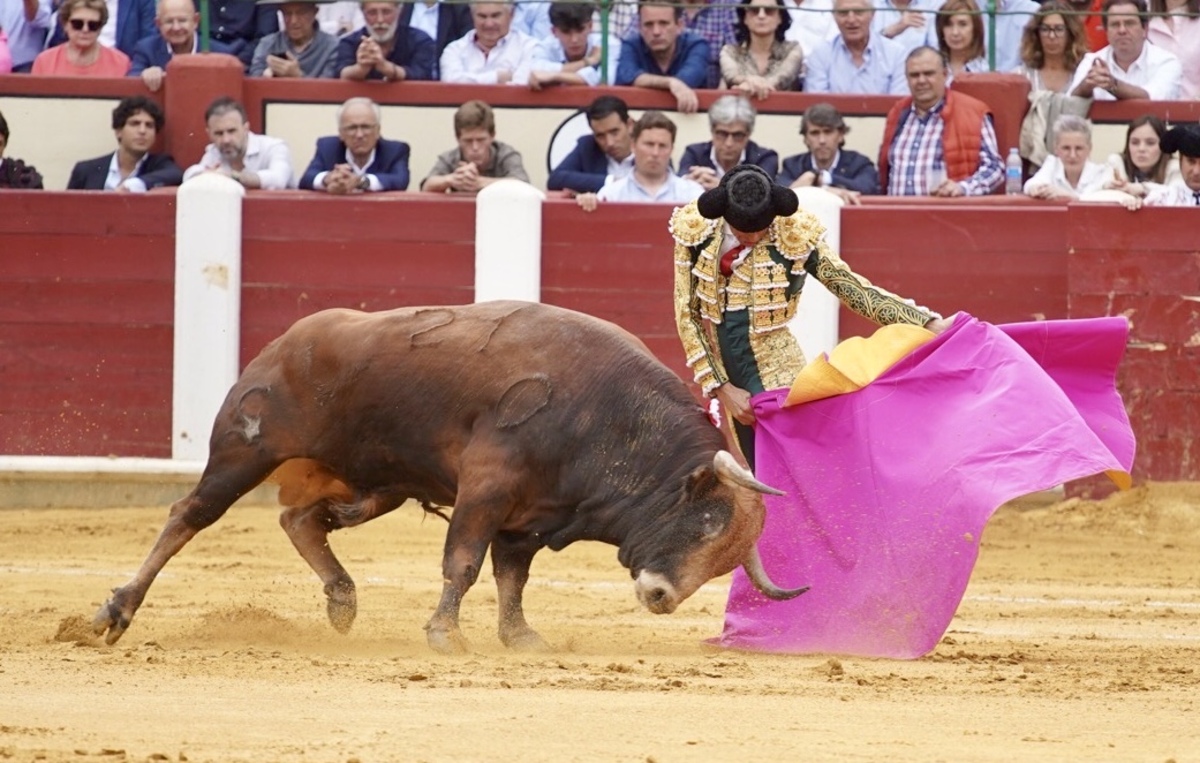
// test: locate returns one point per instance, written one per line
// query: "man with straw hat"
(300, 48)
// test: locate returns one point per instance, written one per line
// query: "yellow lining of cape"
(856, 362)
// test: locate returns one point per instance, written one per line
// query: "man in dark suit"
(177, 23)
(356, 159)
(827, 164)
(731, 123)
(384, 49)
(136, 122)
(444, 22)
(607, 151)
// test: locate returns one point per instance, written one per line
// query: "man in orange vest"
(938, 142)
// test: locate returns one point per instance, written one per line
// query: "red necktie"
(728, 258)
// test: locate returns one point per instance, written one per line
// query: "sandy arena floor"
(1078, 640)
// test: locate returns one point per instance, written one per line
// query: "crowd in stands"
(937, 141)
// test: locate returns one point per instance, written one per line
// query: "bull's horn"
(758, 576)
(731, 472)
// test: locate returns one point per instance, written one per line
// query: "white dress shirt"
(911, 38)
(1176, 194)
(1156, 71)
(676, 190)
(361, 172)
(811, 26)
(463, 60)
(1052, 173)
(132, 183)
(267, 157)
(425, 18)
(549, 56)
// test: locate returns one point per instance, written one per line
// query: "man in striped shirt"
(938, 142)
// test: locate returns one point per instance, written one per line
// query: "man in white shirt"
(1130, 67)
(856, 61)
(812, 23)
(652, 179)
(255, 161)
(493, 53)
(571, 55)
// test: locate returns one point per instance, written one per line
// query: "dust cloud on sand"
(1078, 640)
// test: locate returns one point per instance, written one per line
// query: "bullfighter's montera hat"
(1183, 138)
(748, 199)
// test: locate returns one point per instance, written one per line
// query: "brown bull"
(540, 426)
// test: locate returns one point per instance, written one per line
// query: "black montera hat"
(748, 199)
(1183, 138)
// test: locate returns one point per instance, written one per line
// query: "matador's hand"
(736, 401)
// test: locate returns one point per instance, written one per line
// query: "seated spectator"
(910, 23)
(479, 160)
(731, 123)
(1011, 18)
(1184, 192)
(1069, 173)
(1129, 68)
(651, 179)
(443, 20)
(812, 23)
(240, 24)
(571, 55)
(712, 21)
(136, 122)
(492, 53)
(25, 23)
(665, 56)
(856, 61)
(128, 22)
(828, 164)
(1143, 165)
(1175, 27)
(606, 153)
(341, 17)
(1052, 46)
(385, 50)
(300, 49)
(15, 173)
(177, 23)
(960, 37)
(82, 55)
(357, 159)
(938, 142)
(255, 161)
(762, 61)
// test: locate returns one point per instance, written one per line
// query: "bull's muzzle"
(656, 593)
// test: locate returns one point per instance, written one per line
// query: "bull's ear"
(702, 481)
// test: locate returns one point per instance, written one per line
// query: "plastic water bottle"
(1012, 173)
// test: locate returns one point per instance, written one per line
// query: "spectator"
(136, 122)
(1177, 31)
(605, 154)
(911, 23)
(812, 23)
(240, 24)
(82, 55)
(26, 24)
(856, 61)
(1090, 16)
(1128, 68)
(298, 50)
(731, 123)
(127, 22)
(763, 61)
(1069, 173)
(443, 20)
(664, 55)
(1143, 165)
(938, 142)
(1011, 18)
(532, 17)
(357, 159)
(479, 160)
(651, 179)
(960, 37)
(828, 164)
(341, 17)
(571, 55)
(492, 53)
(255, 161)
(1184, 192)
(15, 173)
(177, 22)
(5, 54)
(385, 50)
(712, 21)
(1052, 46)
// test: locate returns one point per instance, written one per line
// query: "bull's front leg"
(511, 556)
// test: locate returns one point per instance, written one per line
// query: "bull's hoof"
(341, 605)
(445, 641)
(525, 640)
(110, 621)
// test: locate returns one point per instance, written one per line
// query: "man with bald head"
(177, 22)
(357, 159)
(300, 49)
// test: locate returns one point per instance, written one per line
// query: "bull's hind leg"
(512, 554)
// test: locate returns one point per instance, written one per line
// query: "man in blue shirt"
(856, 61)
(26, 23)
(665, 56)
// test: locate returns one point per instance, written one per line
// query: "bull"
(539, 426)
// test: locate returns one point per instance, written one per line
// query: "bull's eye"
(710, 527)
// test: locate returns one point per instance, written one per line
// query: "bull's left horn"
(730, 471)
(758, 576)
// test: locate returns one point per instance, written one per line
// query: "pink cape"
(889, 487)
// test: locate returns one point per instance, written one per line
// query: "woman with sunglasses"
(82, 55)
(1052, 46)
(761, 61)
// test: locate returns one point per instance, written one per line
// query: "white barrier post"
(815, 325)
(508, 242)
(208, 288)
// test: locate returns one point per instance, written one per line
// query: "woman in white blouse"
(1069, 173)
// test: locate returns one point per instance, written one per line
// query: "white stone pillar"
(208, 289)
(815, 325)
(508, 242)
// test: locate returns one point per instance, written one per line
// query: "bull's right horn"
(758, 576)
(730, 471)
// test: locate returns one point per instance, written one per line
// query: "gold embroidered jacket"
(767, 283)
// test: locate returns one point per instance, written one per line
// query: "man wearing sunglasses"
(730, 122)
